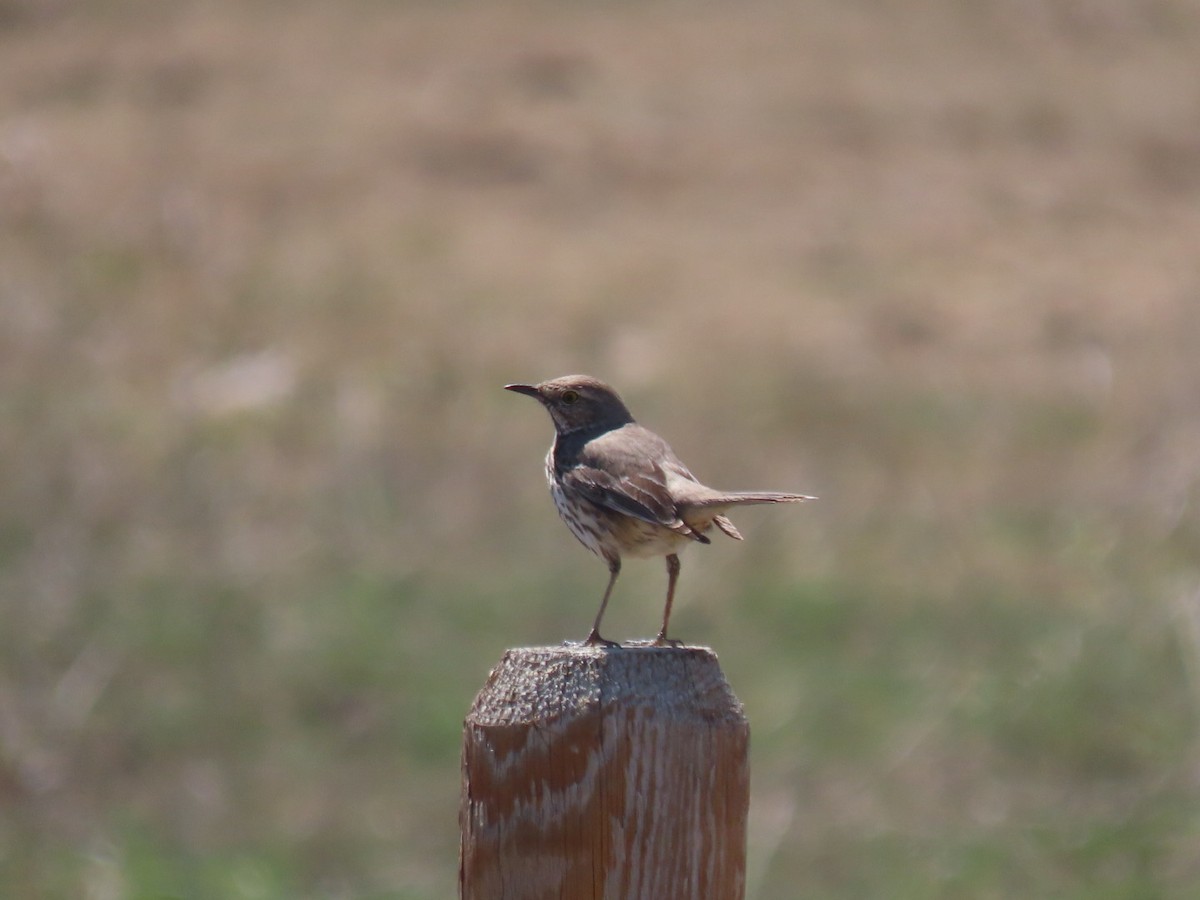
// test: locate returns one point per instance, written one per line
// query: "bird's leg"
(672, 575)
(593, 638)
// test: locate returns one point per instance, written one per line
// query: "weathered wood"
(595, 773)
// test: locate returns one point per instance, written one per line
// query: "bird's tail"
(722, 502)
(749, 498)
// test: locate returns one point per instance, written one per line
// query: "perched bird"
(621, 489)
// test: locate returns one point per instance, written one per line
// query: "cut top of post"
(540, 684)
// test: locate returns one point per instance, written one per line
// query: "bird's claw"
(594, 640)
(663, 641)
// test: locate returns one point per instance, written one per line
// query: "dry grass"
(266, 519)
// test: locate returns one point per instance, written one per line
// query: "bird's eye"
(570, 396)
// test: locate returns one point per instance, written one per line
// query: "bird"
(621, 489)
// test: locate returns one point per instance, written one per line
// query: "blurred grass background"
(267, 519)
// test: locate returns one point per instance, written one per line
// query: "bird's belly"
(641, 538)
(609, 533)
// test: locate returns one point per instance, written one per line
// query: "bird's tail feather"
(749, 498)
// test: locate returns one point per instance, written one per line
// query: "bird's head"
(577, 402)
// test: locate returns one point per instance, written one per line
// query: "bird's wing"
(642, 495)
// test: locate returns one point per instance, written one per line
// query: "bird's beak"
(529, 390)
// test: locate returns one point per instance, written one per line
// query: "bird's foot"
(663, 641)
(594, 640)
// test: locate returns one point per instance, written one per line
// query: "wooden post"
(594, 773)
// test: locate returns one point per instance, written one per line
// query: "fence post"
(592, 773)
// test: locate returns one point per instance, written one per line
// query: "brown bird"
(621, 489)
